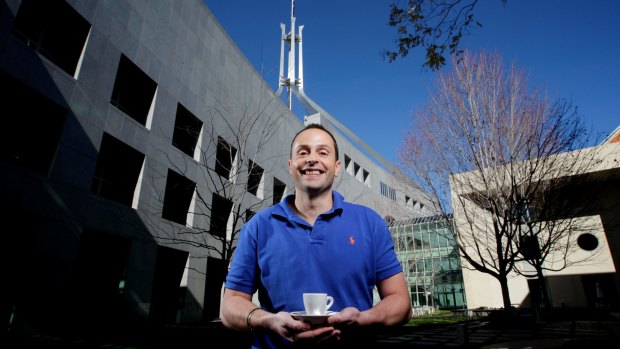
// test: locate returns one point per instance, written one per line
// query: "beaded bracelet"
(249, 319)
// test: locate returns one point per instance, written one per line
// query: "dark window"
(529, 247)
(167, 293)
(179, 192)
(32, 126)
(220, 211)
(278, 190)
(388, 191)
(118, 168)
(249, 214)
(365, 175)
(100, 272)
(186, 130)
(133, 91)
(214, 277)
(224, 158)
(356, 169)
(254, 177)
(587, 242)
(54, 29)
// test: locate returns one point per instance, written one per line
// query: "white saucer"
(312, 319)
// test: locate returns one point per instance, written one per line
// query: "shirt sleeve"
(387, 262)
(244, 266)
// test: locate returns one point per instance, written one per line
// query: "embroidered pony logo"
(351, 240)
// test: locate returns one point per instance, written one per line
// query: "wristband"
(249, 319)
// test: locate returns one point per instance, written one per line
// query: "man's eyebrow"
(320, 146)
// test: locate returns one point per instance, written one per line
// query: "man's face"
(313, 164)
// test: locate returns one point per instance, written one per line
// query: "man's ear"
(290, 170)
(337, 170)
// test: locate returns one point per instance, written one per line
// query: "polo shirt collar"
(283, 210)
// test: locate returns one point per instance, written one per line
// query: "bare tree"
(502, 159)
(437, 26)
(229, 171)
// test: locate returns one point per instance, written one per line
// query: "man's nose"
(311, 158)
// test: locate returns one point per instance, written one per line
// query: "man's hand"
(348, 317)
(293, 330)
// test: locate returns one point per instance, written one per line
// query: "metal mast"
(295, 87)
(290, 81)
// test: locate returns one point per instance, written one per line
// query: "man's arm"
(236, 306)
(394, 307)
(235, 309)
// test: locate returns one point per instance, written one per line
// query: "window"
(388, 191)
(167, 294)
(278, 190)
(179, 192)
(366, 178)
(529, 247)
(55, 30)
(249, 214)
(587, 241)
(220, 211)
(32, 126)
(410, 202)
(224, 158)
(255, 179)
(117, 171)
(134, 91)
(347, 165)
(186, 131)
(101, 269)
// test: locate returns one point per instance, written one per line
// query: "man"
(314, 241)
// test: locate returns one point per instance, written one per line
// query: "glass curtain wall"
(427, 251)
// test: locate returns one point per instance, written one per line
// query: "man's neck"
(309, 207)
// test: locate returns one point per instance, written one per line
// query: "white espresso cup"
(317, 303)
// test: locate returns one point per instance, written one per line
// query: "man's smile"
(312, 172)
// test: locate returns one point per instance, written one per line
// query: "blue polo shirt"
(347, 251)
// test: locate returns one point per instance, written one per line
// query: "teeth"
(313, 172)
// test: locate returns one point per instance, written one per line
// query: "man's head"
(314, 163)
(318, 127)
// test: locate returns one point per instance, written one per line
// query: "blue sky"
(571, 47)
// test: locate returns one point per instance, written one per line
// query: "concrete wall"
(573, 285)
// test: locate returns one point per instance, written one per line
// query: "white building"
(594, 280)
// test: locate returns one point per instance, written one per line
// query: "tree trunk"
(544, 291)
(503, 281)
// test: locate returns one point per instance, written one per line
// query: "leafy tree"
(502, 159)
(436, 25)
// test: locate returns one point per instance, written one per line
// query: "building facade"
(590, 277)
(429, 256)
(136, 140)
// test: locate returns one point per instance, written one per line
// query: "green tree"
(435, 25)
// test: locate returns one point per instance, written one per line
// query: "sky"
(569, 47)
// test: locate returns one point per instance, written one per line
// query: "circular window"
(587, 241)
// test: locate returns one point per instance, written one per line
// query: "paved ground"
(481, 334)
(566, 333)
